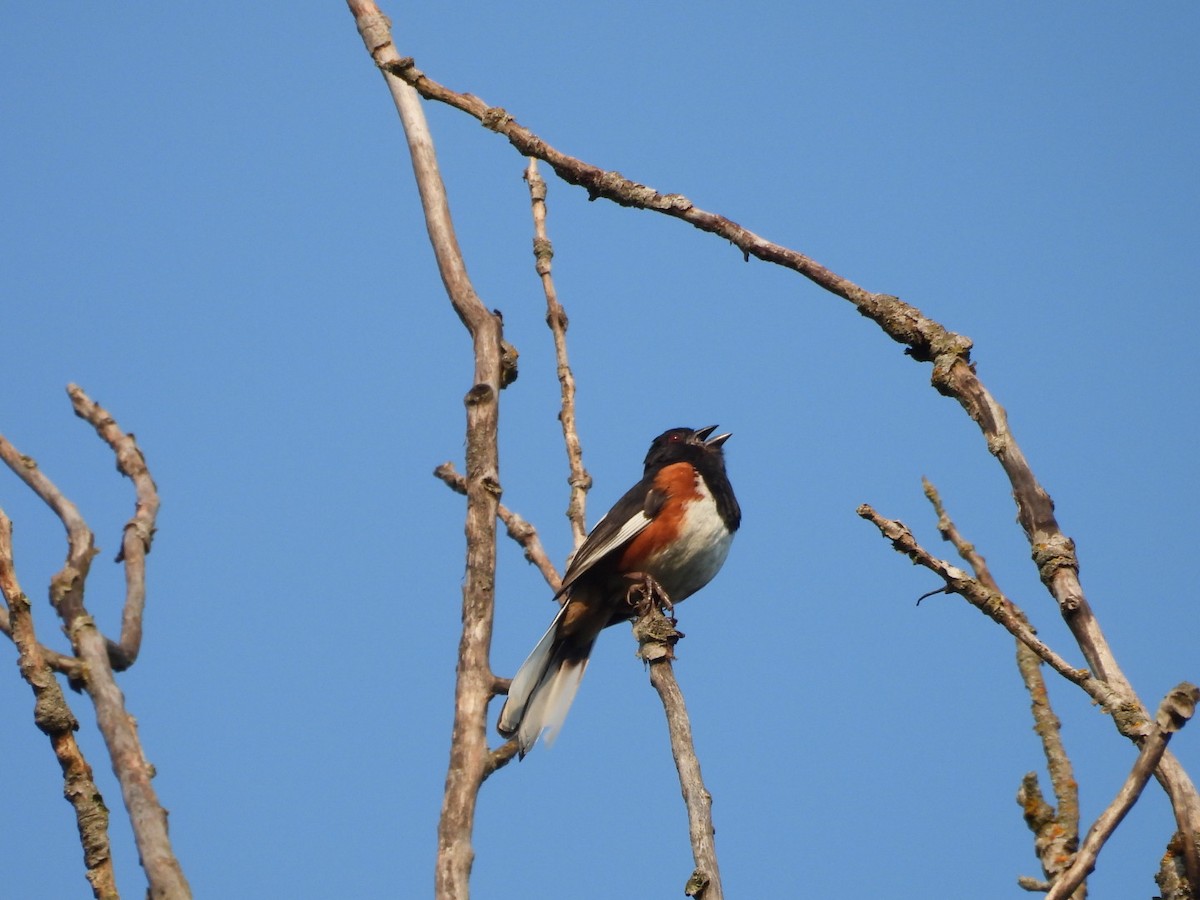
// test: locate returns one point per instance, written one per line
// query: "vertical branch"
(657, 637)
(556, 318)
(54, 718)
(469, 759)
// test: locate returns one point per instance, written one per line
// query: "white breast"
(692, 561)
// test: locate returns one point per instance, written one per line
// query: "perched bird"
(670, 532)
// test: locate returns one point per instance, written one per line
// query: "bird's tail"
(544, 686)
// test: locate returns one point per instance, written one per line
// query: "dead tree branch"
(133, 771)
(656, 636)
(1000, 609)
(139, 530)
(1172, 877)
(470, 761)
(991, 603)
(54, 718)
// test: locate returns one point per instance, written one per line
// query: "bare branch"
(656, 636)
(991, 603)
(139, 530)
(518, 528)
(54, 718)
(1051, 844)
(615, 187)
(556, 318)
(1173, 713)
(26, 468)
(66, 588)
(1056, 831)
(133, 771)
(469, 758)
(1126, 710)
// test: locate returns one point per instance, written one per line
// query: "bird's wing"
(628, 517)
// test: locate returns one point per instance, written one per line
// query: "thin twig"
(556, 317)
(1055, 830)
(54, 718)
(656, 636)
(991, 603)
(1173, 713)
(469, 757)
(517, 527)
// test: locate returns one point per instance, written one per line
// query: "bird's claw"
(645, 591)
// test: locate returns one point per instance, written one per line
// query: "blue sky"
(210, 224)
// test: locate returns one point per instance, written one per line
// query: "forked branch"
(1055, 829)
(1173, 713)
(95, 653)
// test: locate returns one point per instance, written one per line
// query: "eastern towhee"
(670, 532)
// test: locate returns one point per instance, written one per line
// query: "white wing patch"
(589, 556)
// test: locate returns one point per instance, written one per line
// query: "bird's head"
(686, 445)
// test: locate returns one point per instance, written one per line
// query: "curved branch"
(139, 530)
(925, 339)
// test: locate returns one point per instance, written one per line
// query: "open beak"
(703, 433)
